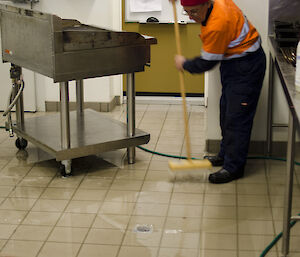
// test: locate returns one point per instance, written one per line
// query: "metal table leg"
(80, 110)
(20, 109)
(289, 186)
(65, 122)
(270, 107)
(131, 115)
(79, 96)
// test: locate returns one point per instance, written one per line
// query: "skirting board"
(167, 100)
(53, 106)
(255, 148)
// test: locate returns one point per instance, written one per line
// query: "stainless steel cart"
(67, 50)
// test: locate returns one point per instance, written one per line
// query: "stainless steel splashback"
(27, 39)
(284, 10)
(66, 49)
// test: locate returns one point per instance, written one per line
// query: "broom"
(187, 164)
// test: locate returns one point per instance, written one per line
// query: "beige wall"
(162, 77)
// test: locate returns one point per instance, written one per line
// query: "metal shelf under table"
(90, 133)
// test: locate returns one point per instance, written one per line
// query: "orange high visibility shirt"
(228, 34)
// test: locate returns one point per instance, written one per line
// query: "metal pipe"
(79, 96)
(9, 120)
(131, 115)
(289, 186)
(15, 98)
(64, 115)
(19, 102)
(270, 107)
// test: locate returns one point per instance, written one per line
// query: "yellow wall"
(162, 77)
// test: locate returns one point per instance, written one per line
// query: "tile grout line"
(135, 203)
(96, 214)
(171, 194)
(237, 220)
(270, 202)
(14, 187)
(29, 210)
(202, 221)
(123, 237)
(62, 213)
(199, 250)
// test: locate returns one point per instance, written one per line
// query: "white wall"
(6, 86)
(257, 12)
(102, 13)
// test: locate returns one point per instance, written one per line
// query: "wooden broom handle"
(182, 87)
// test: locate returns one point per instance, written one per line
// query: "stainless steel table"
(68, 50)
(286, 74)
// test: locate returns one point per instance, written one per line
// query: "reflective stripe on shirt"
(219, 57)
(242, 36)
(211, 57)
(251, 49)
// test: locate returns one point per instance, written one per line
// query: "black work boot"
(224, 176)
(215, 160)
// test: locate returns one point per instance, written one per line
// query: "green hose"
(275, 240)
(164, 155)
(270, 158)
(184, 158)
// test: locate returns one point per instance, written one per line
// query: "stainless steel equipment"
(286, 11)
(31, 2)
(68, 50)
(22, 1)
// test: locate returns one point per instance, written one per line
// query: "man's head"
(196, 9)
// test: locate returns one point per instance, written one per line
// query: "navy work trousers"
(242, 80)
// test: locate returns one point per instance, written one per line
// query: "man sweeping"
(229, 38)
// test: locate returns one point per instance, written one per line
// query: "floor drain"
(143, 228)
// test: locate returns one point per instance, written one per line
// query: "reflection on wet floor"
(112, 209)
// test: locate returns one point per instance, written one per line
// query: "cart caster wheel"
(64, 174)
(21, 143)
(66, 169)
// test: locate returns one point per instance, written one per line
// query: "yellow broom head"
(189, 170)
(185, 165)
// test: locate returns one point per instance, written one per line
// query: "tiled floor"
(95, 212)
